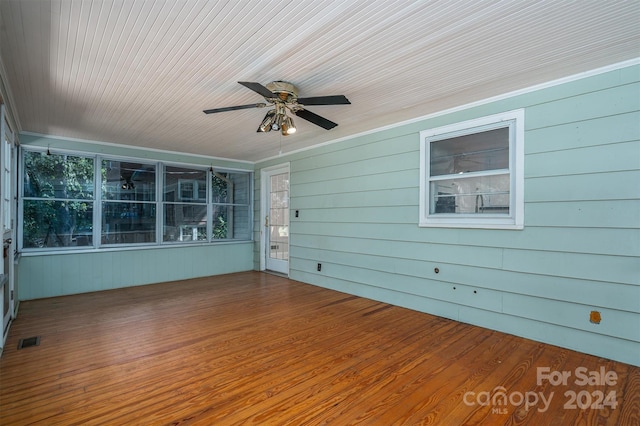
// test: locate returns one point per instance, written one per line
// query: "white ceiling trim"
(497, 98)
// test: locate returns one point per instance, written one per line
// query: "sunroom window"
(58, 200)
(472, 173)
(128, 202)
(230, 205)
(91, 202)
(185, 204)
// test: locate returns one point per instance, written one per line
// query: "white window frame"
(7, 155)
(515, 218)
(159, 202)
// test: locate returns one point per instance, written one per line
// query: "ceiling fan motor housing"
(286, 91)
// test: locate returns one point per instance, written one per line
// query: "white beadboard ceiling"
(139, 73)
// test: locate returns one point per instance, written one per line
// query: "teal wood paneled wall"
(578, 252)
(55, 274)
(71, 273)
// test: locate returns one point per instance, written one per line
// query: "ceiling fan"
(283, 96)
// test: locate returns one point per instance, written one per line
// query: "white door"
(7, 221)
(275, 218)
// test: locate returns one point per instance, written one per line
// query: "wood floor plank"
(254, 348)
(286, 368)
(389, 386)
(334, 392)
(498, 350)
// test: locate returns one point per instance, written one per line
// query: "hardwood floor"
(253, 348)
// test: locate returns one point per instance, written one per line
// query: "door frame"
(8, 157)
(264, 194)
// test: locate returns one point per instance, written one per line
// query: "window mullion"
(112, 202)
(97, 200)
(470, 175)
(159, 202)
(210, 205)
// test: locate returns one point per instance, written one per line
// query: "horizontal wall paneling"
(579, 250)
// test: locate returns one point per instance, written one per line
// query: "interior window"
(472, 174)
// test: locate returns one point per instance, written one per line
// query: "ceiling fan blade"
(258, 88)
(233, 108)
(316, 119)
(324, 100)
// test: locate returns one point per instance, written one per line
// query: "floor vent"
(28, 342)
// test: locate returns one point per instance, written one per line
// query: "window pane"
(221, 217)
(242, 223)
(482, 194)
(232, 188)
(57, 176)
(185, 185)
(185, 222)
(7, 187)
(58, 206)
(241, 187)
(57, 223)
(231, 222)
(128, 181)
(128, 223)
(481, 151)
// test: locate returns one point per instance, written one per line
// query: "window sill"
(461, 223)
(43, 252)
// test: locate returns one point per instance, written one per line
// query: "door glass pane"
(279, 217)
(7, 283)
(5, 308)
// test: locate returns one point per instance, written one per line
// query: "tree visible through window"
(190, 204)
(58, 200)
(230, 202)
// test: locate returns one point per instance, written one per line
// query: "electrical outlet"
(297, 213)
(319, 267)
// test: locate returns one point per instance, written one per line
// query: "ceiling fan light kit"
(287, 126)
(277, 119)
(283, 96)
(267, 122)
